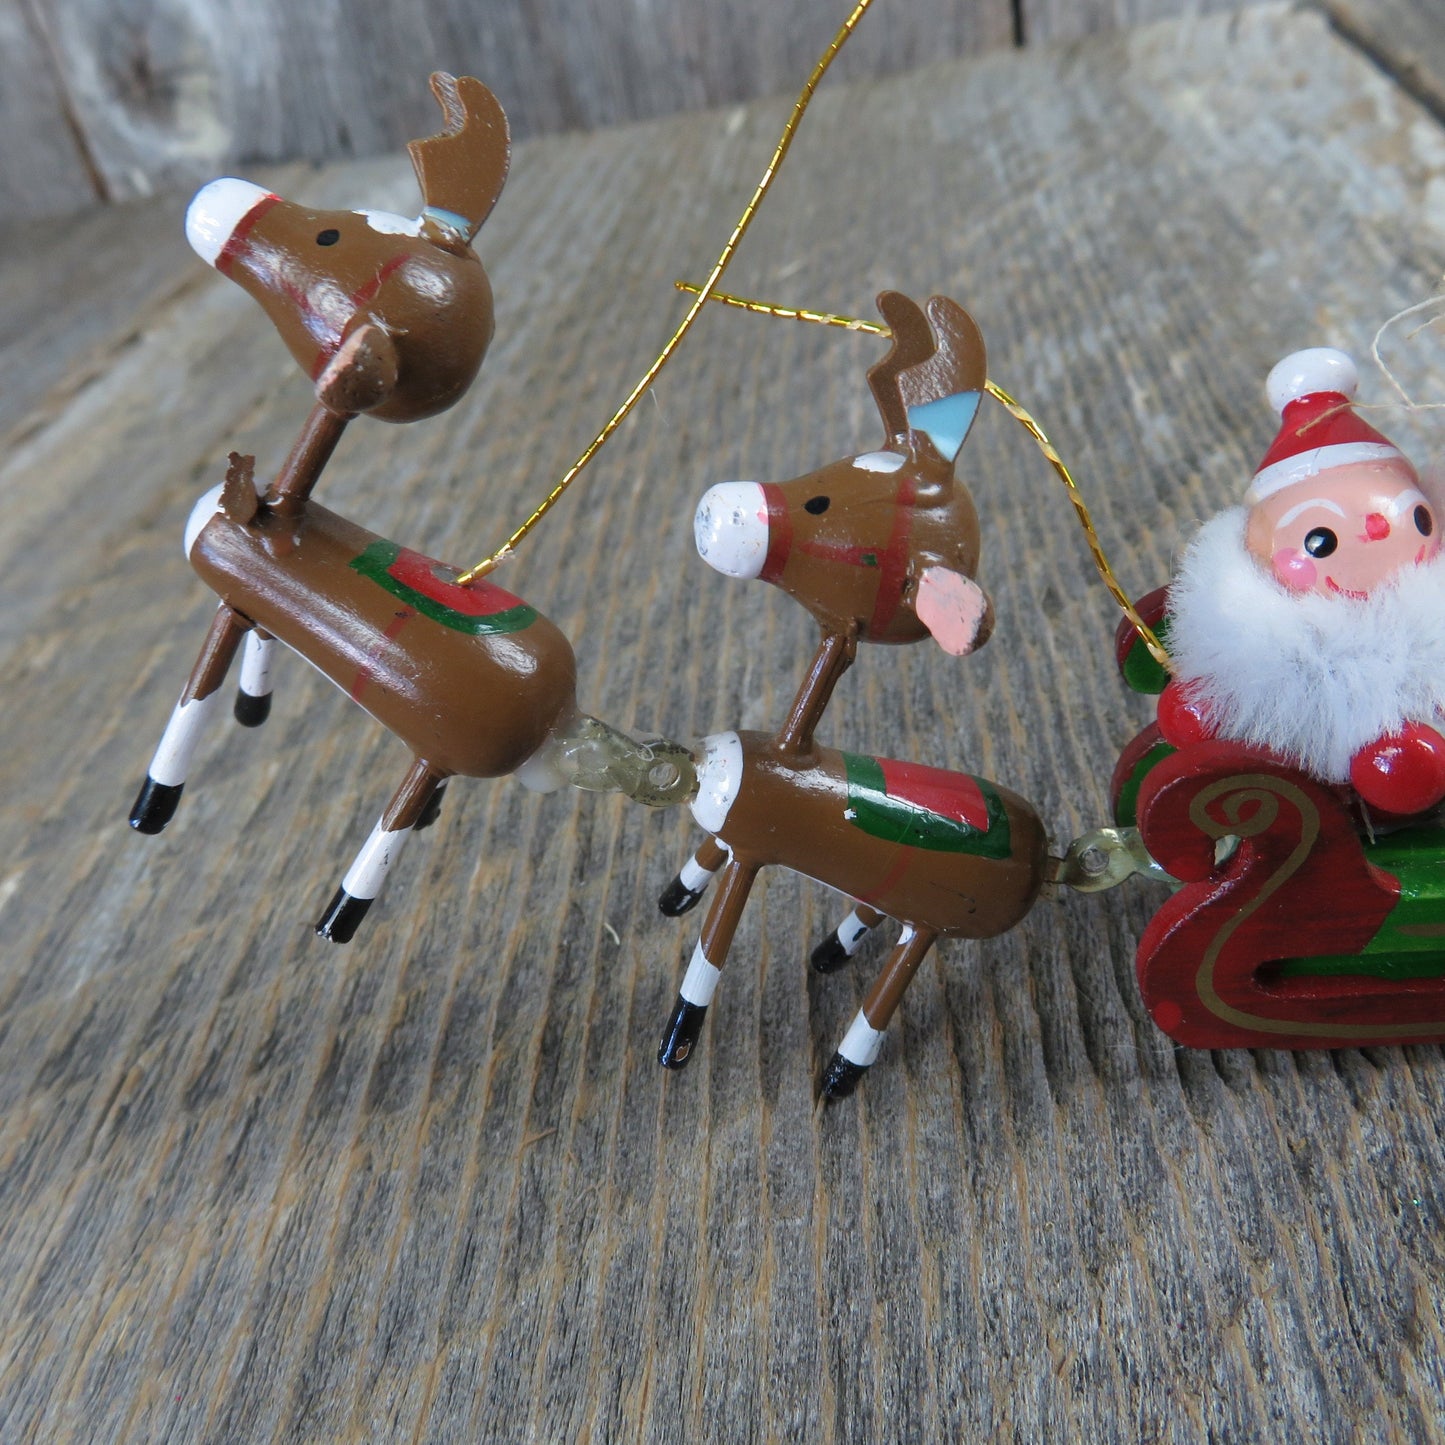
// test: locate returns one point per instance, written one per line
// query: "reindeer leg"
(433, 809)
(685, 891)
(253, 698)
(708, 958)
(155, 804)
(846, 939)
(864, 1038)
(367, 873)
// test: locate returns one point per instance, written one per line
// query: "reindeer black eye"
(1424, 522)
(329, 237)
(816, 505)
(1320, 542)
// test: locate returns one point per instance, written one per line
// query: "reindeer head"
(387, 315)
(884, 544)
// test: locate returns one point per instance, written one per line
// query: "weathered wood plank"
(1045, 22)
(172, 92)
(433, 1185)
(76, 292)
(43, 170)
(1404, 36)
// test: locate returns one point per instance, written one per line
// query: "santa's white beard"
(1310, 677)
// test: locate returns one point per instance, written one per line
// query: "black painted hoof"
(677, 899)
(250, 711)
(841, 1077)
(681, 1034)
(343, 917)
(430, 813)
(155, 805)
(830, 955)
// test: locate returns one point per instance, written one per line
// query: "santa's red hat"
(1313, 391)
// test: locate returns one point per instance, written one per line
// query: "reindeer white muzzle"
(215, 212)
(731, 529)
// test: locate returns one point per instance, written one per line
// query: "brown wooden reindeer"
(881, 547)
(389, 317)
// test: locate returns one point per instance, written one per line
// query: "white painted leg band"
(694, 877)
(256, 665)
(366, 875)
(177, 746)
(699, 983)
(861, 1043)
(851, 932)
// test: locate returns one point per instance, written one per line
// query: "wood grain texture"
(117, 101)
(172, 92)
(44, 170)
(1404, 36)
(433, 1186)
(1053, 21)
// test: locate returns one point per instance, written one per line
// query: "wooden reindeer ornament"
(389, 317)
(879, 547)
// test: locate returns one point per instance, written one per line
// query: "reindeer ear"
(361, 375)
(955, 609)
(941, 393)
(462, 170)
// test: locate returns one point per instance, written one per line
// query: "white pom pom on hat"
(1312, 391)
(1303, 373)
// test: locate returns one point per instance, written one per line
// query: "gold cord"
(726, 255)
(1019, 414)
(788, 313)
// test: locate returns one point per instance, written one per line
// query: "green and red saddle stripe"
(482, 608)
(922, 807)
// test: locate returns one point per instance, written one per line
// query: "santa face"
(1345, 530)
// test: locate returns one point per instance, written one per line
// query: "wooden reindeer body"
(937, 850)
(471, 679)
(389, 318)
(879, 547)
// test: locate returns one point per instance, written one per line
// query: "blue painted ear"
(946, 422)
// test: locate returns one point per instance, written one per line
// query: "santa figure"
(1310, 622)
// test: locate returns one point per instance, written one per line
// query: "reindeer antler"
(912, 345)
(959, 362)
(940, 393)
(461, 170)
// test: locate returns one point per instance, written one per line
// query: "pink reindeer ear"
(955, 609)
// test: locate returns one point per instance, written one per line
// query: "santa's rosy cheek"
(1295, 570)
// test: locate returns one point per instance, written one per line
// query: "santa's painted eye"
(1320, 542)
(817, 505)
(1424, 522)
(329, 237)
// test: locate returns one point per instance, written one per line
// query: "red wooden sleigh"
(1293, 927)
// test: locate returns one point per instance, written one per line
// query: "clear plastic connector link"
(1104, 859)
(593, 755)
